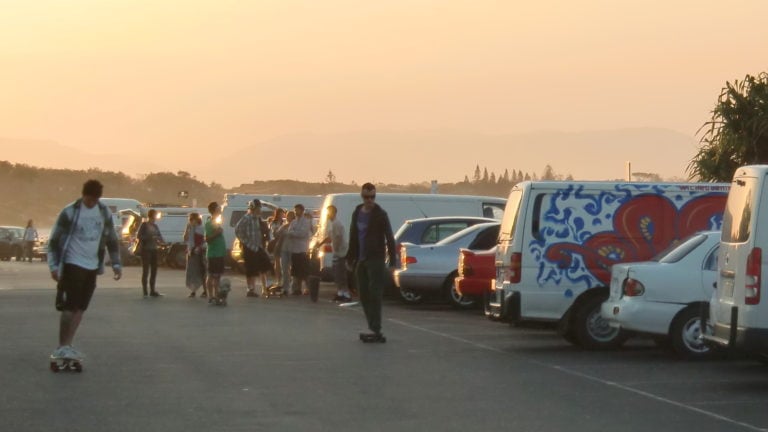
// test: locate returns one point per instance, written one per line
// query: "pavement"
(288, 364)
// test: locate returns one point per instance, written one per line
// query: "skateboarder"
(370, 242)
(76, 257)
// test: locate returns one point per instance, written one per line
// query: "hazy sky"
(169, 75)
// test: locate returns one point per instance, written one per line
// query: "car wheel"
(685, 335)
(457, 300)
(411, 296)
(591, 331)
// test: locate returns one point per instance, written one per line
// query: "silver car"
(432, 268)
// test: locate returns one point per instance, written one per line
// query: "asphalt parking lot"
(177, 364)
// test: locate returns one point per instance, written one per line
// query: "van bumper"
(736, 338)
(505, 304)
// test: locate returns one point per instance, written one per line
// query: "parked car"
(431, 230)
(429, 269)
(475, 278)
(11, 242)
(664, 297)
(40, 250)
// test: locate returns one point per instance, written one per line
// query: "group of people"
(84, 230)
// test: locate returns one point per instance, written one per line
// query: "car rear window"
(737, 219)
(435, 233)
(678, 251)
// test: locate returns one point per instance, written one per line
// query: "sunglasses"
(371, 196)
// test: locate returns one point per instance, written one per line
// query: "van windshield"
(510, 215)
(737, 219)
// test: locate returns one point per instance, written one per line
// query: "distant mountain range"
(396, 157)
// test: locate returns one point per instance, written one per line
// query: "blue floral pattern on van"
(582, 234)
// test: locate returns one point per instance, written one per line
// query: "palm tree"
(738, 132)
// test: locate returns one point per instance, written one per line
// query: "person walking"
(253, 234)
(30, 237)
(194, 235)
(215, 252)
(298, 233)
(149, 238)
(370, 243)
(336, 236)
(76, 256)
(283, 254)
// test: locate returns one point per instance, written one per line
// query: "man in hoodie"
(370, 244)
(76, 257)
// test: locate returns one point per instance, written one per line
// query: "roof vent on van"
(752, 282)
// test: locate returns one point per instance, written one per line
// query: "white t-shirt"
(339, 239)
(84, 242)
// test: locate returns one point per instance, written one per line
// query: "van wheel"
(411, 296)
(457, 300)
(591, 331)
(685, 335)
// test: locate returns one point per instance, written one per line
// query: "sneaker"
(204, 295)
(156, 294)
(74, 354)
(344, 299)
(251, 293)
(59, 353)
(191, 295)
(211, 300)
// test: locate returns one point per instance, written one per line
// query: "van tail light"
(515, 267)
(633, 288)
(752, 281)
(327, 248)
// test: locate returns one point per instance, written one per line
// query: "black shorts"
(216, 266)
(75, 288)
(256, 262)
(299, 265)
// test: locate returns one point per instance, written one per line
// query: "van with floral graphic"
(558, 241)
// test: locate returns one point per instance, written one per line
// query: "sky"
(178, 81)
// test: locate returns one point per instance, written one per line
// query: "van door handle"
(714, 285)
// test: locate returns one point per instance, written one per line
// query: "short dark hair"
(212, 207)
(368, 187)
(298, 206)
(93, 188)
(152, 213)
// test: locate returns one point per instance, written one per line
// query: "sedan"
(665, 297)
(433, 268)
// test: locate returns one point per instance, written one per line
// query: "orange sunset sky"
(187, 83)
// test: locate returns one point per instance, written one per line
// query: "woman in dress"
(194, 235)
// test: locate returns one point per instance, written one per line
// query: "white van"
(117, 204)
(400, 207)
(558, 241)
(738, 315)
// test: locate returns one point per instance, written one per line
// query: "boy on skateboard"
(370, 242)
(76, 256)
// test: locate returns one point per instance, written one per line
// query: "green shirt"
(217, 247)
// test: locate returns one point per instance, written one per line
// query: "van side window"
(493, 211)
(536, 220)
(236, 216)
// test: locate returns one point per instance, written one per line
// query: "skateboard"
(372, 338)
(274, 291)
(65, 365)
